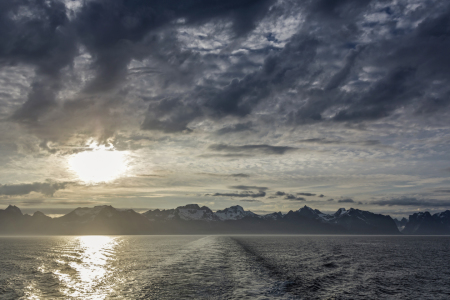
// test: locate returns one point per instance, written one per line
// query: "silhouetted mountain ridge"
(195, 219)
(426, 224)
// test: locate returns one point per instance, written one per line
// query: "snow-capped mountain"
(234, 213)
(190, 212)
(195, 219)
(353, 220)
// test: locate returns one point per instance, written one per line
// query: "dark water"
(225, 267)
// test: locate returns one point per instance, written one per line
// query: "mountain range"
(193, 219)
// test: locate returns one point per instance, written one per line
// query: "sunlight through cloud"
(100, 164)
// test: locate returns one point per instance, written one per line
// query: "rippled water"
(225, 267)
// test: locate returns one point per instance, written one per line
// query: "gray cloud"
(412, 201)
(243, 175)
(239, 127)
(236, 175)
(249, 187)
(262, 149)
(340, 142)
(411, 64)
(293, 198)
(306, 194)
(250, 200)
(348, 200)
(45, 188)
(242, 194)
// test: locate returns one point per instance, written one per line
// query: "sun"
(100, 164)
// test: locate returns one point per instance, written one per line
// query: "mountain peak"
(13, 209)
(235, 212)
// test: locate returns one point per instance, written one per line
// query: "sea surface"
(225, 267)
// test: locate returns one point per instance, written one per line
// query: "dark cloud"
(321, 195)
(243, 175)
(330, 200)
(306, 194)
(412, 201)
(319, 74)
(45, 188)
(348, 200)
(249, 187)
(280, 193)
(229, 155)
(442, 191)
(261, 149)
(340, 142)
(293, 198)
(242, 194)
(250, 200)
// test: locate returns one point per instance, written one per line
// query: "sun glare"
(100, 164)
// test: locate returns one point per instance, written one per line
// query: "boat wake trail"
(214, 267)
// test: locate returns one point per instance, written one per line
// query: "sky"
(271, 105)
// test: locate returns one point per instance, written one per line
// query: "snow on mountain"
(234, 213)
(86, 214)
(195, 212)
(164, 214)
(315, 214)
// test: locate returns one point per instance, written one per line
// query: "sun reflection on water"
(85, 267)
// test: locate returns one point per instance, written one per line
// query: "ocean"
(225, 267)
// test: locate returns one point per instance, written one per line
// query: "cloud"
(260, 149)
(306, 194)
(45, 188)
(412, 201)
(236, 175)
(242, 175)
(249, 187)
(330, 200)
(348, 200)
(321, 195)
(324, 141)
(243, 194)
(293, 198)
(250, 200)
(239, 127)
(228, 155)
(211, 60)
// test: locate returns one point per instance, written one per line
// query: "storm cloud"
(346, 97)
(127, 40)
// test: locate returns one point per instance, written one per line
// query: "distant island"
(193, 219)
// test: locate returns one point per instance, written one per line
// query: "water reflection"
(84, 266)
